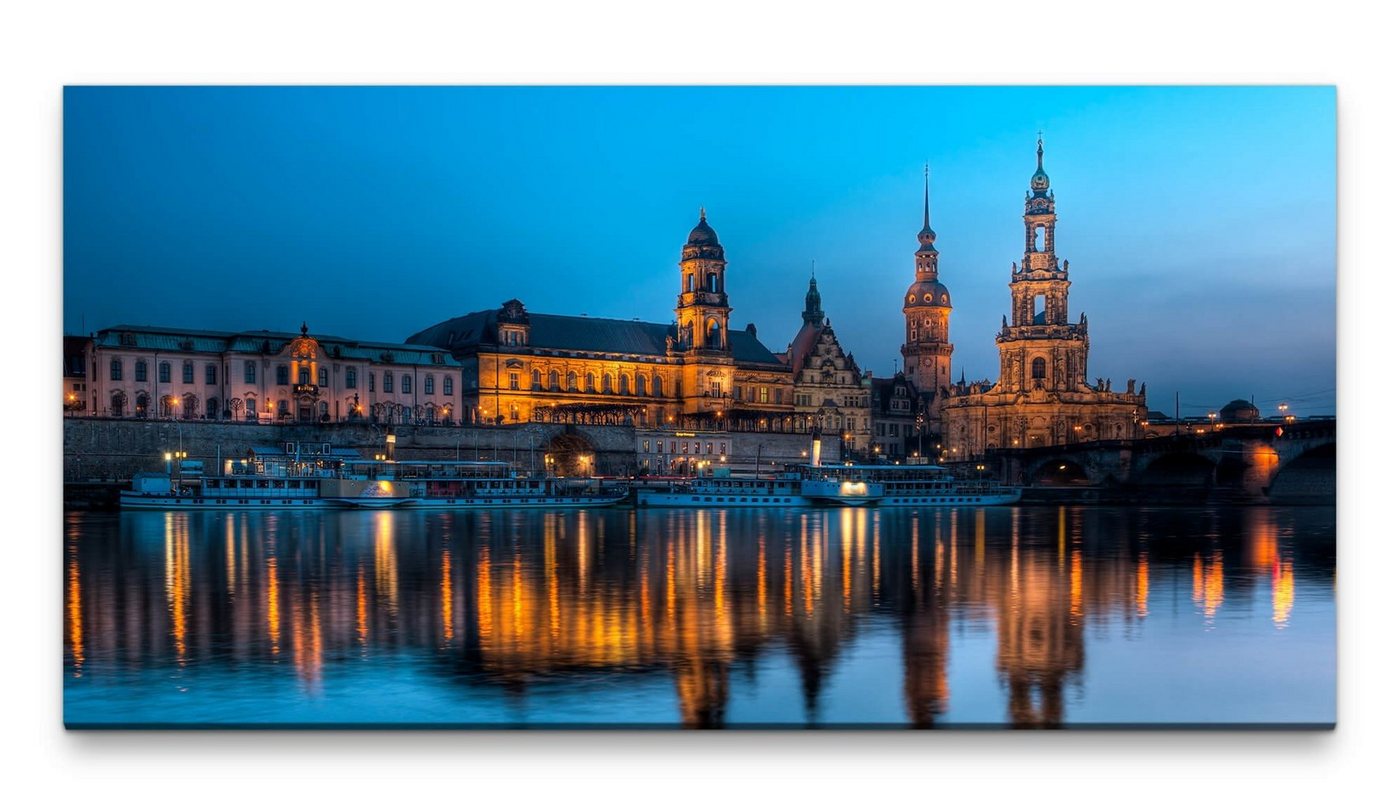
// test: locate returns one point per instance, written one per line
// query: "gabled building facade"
(828, 393)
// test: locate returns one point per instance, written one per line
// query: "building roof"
(569, 333)
(200, 341)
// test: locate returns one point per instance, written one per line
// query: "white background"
(44, 47)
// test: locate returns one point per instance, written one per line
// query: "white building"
(263, 376)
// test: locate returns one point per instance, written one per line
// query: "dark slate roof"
(463, 334)
(162, 338)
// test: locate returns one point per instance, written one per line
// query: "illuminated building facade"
(1043, 396)
(828, 393)
(522, 366)
(263, 376)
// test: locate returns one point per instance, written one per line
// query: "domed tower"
(702, 308)
(1041, 349)
(927, 307)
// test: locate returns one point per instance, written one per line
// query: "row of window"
(686, 447)
(882, 429)
(141, 372)
(250, 376)
(590, 383)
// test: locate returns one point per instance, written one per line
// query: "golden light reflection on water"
(73, 602)
(1144, 583)
(696, 595)
(1283, 593)
(177, 579)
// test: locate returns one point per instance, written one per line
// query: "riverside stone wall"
(101, 449)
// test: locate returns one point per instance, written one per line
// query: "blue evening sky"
(1200, 223)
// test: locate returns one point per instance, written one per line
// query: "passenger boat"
(830, 485)
(805, 485)
(297, 476)
(931, 485)
(292, 476)
(455, 485)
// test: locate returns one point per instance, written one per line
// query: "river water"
(1021, 616)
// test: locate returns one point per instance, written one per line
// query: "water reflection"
(583, 603)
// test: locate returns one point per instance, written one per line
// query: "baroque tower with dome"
(1043, 396)
(927, 307)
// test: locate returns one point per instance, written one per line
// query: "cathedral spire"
(927, 236)
(926, 227)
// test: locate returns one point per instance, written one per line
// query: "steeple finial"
(1040, 150)
(814, 271)
(303, 328)
(926, 195)
(702, 213)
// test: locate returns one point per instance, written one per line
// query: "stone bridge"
(1274, 462)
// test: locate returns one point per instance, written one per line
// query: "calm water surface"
(1024, 616)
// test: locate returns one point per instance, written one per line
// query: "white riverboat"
(292, 476)
(798, 486)
(454, 485)
(932, 485)
(830, 485)
(301, 476)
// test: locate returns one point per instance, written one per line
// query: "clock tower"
(927, 307)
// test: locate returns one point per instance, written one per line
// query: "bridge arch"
(1180, 470)
(1059, 471)
(1309, 478)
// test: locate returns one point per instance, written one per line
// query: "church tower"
(813, 315)
(1040, 349)
(702, 309)
(927, 307)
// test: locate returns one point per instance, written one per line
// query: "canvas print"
(699, 407)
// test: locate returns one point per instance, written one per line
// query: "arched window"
(588, 382)
(324, 411)
(118, 400)
(303, 375)
(117, 372)
(712, 282)
(140, 370)
(163, 372)
(1038, 368)
(323, 377)
(447, 385)
(283, 375)
(641, 385)
(388, 382)
(554, 380)
(571, 381)
(143, 405)
(607, 383)
(187, 372)
(534, 379)
(405, 384)
(712, 335)
(624, 385)
(689, 282)
(189, 408)
(250, 409)
(428, 385)
(211, 408)
(656, 388)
